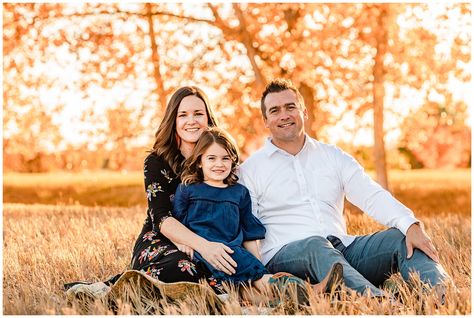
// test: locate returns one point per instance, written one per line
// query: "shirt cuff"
(405, 223)
(253, 237)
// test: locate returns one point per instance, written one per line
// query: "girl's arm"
(252, 247)
(253, 230)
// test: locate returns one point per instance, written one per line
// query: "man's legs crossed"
(377, 256)
(312, 258)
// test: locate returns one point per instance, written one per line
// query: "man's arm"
(378, 203)
(370, 197)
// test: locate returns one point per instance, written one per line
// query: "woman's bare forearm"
(215, 253)
(177, 232)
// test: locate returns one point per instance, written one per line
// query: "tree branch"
(248, 42)
(115, 12)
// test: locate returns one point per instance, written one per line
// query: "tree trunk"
(378, 95)
(35, 164)
(247, 41)
(155, 59)
(308, 96)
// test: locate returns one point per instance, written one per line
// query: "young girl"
(213, 205)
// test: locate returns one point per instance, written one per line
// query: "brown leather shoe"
(336, 278)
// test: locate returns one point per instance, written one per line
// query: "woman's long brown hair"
(167, 142)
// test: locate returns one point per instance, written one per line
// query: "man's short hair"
(279, 85)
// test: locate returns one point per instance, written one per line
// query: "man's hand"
(217, 254)
(417, 238)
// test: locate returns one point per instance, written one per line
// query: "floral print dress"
(153, 253)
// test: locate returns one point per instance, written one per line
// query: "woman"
(156, 250)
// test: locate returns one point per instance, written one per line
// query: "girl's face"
(191, 120)
(216, 165)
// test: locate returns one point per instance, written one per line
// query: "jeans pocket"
(336, 243)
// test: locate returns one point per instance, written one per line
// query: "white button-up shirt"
(302, 195)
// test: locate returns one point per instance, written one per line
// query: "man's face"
(285, 116)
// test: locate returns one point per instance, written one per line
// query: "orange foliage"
(99, 60)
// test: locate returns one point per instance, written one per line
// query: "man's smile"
(286, 125)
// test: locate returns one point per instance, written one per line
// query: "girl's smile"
(216, 165)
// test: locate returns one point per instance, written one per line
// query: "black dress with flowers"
(153, 253)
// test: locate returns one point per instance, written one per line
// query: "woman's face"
(191, 120)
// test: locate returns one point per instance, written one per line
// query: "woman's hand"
(185, 249)
(217, 254)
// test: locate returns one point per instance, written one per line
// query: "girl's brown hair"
(192, 173)
(167, 142)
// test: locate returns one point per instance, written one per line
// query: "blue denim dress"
(222, 215)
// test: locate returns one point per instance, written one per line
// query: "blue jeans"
(367, 262)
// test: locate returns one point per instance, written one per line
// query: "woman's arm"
(217, 254)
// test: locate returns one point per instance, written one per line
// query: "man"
(298, 184)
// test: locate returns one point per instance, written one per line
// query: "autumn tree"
(405, 57)
(437, 134)
(348, 60)
(29, 128)
(115, 56)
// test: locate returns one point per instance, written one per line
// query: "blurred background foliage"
(85, 85)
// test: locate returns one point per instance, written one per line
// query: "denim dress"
(222, 215)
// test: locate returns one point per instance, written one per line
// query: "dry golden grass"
(46, 246)
(98, 188)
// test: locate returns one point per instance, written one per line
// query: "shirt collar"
(269, 148)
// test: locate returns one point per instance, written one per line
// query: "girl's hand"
(217, 254)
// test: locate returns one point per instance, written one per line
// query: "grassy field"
(47, 245)
(436, 190)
